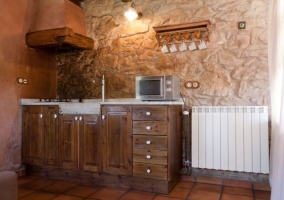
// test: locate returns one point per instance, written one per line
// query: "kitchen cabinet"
(117, 139)
(156, 142)
(128, 146)
(40, 135)
(69, 141)
(90, 143)
(79, 140)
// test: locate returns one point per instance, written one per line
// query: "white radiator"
(231, 138)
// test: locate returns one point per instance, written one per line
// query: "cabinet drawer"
(150, 156)
(150, 142)
(150, 127)
(150, 171)
(149, 113)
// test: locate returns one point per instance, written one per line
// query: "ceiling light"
(131, 13)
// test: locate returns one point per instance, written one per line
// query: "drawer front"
(150, 171)
(149, 113)
(150, 142)
(150, 127)
(150, 156)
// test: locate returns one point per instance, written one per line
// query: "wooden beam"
(58, 37)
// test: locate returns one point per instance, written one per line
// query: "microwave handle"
(161, 87)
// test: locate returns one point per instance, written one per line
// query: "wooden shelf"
(188, 32)
(58, 37)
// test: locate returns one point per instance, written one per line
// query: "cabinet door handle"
(103, 117)
(148, 142)
(148, 171)
(76, 118)
(80, 118)
(55, 116)
(148, 128)
(148, 157)
(148, 113)
(40, 115)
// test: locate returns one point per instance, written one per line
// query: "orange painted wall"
(17, 60)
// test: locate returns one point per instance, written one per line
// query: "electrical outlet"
(242, 25)
(192, 84)
(21, 80)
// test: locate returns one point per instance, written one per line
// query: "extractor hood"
(58, 23)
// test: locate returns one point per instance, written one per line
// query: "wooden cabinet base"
(118, 181)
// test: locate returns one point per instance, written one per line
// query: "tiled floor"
(36, 188)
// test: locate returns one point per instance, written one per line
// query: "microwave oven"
(166, 87)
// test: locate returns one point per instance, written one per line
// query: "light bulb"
(131, 14)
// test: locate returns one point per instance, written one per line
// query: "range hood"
(58, 23)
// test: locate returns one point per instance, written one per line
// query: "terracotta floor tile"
(209, 180)
(208, 187)
(203, 195)
(67, 197)
(38, 184)
(262, 194)
(185, 184)
(25, 179)
(60, 187)
(238, 191)
(187, 178)
(23, 192)
(131, 195)
(39, 195)
(237, 183)
(165, 198)
(261, 186)
(83, 191)
(177, 192)
(107, 194)
(235, 197)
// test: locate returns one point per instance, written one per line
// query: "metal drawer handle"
(148, 142)
(76, 118)
(55, 116)
(148, 171)
(148, 128)
(80, 118)
(148, 113)
(148, 157)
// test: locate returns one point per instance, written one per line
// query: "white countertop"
(93, 106)
(122, 101)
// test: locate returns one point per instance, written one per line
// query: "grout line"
(221, 194)
(123, 194)
(194, 183)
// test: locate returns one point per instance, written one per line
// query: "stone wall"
(233, 70)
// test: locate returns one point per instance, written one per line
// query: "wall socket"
(21, 80)
(192, 84)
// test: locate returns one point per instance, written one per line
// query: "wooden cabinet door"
(33, 128)
(117, 135)
(68, 145)
(51, 136)
(90, 150)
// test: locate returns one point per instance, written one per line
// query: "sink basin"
(92, 108)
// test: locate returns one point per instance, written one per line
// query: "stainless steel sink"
(93, 108)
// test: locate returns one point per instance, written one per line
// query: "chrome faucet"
(103, 88)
